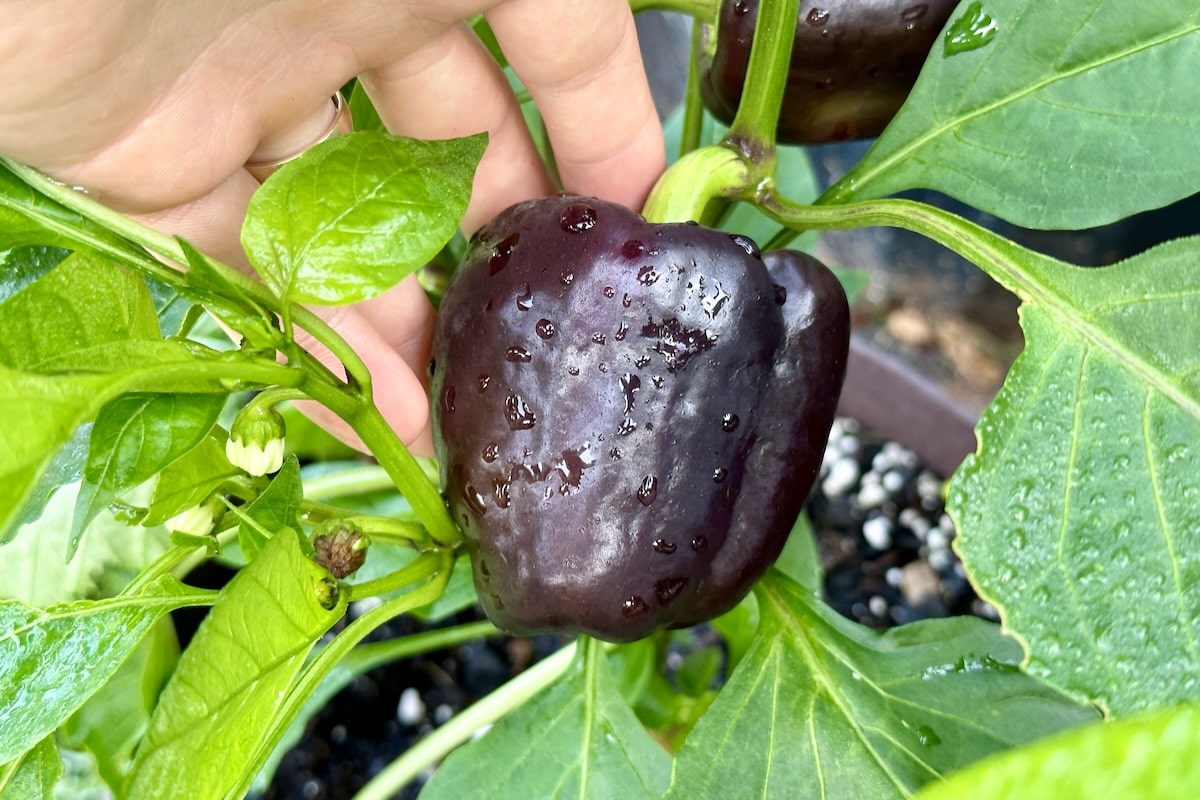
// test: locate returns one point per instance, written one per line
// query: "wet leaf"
(1080, 514)
(822, 707)
(576, 739)
(1064, 118)
(357, 214)
(33, 776)
(55, 659)
(233, 676)
(1151, 757)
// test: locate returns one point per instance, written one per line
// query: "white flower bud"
(255, 442)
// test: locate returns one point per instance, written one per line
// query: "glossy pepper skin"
(628, 415)
(853, 64)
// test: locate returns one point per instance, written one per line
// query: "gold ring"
(342, 123)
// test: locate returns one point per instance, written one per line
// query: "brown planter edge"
(891, 398)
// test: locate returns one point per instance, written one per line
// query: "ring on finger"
(341, 124)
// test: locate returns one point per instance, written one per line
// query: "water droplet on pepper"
(578, 218)
(668, 589)
(501, 252)
(518, 414)
(648, 490)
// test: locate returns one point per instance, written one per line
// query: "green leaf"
(357, 214)
(1150, 757)
(42, 412)
(363, 112)
(822, 707)
(55, 659)
(32, 777)
(234, 675)
(192, 479)
(21, 266)
(110, 555)
(800, 559)
(1067, 118)
(83, 302)
(276, 508)
(134, 437)
(577, 739)
(1080, 514)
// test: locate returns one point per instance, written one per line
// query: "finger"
(453, 87)
(399, 394)
(580, 61)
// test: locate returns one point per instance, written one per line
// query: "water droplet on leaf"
(971, 31)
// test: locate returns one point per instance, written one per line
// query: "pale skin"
(155, 106)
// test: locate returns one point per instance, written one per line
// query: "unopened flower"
(255, 442)
(196, 521)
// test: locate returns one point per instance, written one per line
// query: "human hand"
(156, 107)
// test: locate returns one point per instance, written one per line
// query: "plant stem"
(426, 565)
(703, 10)
(364, 418)
(463, 726)
(754, 125)
(169, 248)
(693, 106)
(999, 257)
(687, 188)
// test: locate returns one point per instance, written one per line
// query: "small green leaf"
(42, 412)
(1149, 757)
(357, 214)
(234, 675)
(55, 659)
(134, 437)
(1068, 119)
(34, 776)
(862, 713)
(577, 739)
(273, 510)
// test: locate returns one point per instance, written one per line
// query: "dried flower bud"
(342, 551)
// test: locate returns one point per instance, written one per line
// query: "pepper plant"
(129, 413)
